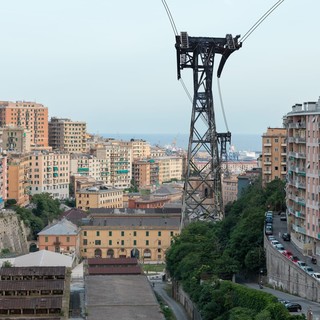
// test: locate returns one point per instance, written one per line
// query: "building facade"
(15, 139)
(49, 172)
(146, 237)
(229, 189)
(302, 193)
(141, 173)
(274, 154)
(99, 197)
(29, 115)
(67, 135)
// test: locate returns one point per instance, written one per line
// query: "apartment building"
(99, 197)
(302, 193)
(165, 169)
(141, 173)
(3, 180)
(229, 189)
(18, 178)
(144, 236)
(116, 162)
(67, 135)
(87, 165)
(29, 115)
(140, 149)
(15, 139)
(49, 172)
(274, 154)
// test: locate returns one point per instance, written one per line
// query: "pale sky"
(113, 63)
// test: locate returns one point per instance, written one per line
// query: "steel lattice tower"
(202, 198)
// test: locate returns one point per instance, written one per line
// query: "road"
(306, 304)
(176, 307)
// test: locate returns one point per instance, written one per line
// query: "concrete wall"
(13, 233)
(286, 275)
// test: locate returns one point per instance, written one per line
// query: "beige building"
(29, 115)
(86, 165)
(99, 197)
(229, 189)
(168, 168)
(274, 154)
(140, 149)
(18, 183)
(156, 152)
(145, 236)
(116, 162)
(239, 167)
(67, 135)
(50, 173)
(15, 139)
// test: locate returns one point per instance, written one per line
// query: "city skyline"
(114, 65)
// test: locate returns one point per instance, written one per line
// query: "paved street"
(176, 307)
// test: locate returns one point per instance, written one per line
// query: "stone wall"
(13, 233)
(289, 277)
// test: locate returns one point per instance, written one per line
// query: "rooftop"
(62, 227)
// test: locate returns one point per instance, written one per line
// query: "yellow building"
(18, 178)
(99, 197)
(145, 236)
(274, 154)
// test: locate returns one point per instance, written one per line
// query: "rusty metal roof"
(31, 271)
(31, 303)
(7, 285)
(112, 261)
(115, 270)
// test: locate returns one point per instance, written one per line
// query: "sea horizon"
(240, 141)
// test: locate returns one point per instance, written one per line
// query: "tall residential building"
(141, 173)
(86, 165)
(49, 172)
(302, 193)
(18, 183)
(15, 139)
(229, 189)
(67, 135)
(168, 168)
(3, 180)
(29, 115)
(274, 154)
(140, 149)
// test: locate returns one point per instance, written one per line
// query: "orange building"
(61, 236)
(29, 115)
(18, 185)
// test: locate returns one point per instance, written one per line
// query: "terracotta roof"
(26, 271)
(30, 303)
(112, 261)
(6, 285)
(115, 270)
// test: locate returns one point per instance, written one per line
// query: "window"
(110, 233)
(84, 233)
(147, 233)
(122, 242)
(85, 242)
(110, 242)
(147, 242)
(46, 239)
(134, 233)
(159, 233)
(46, 248)
(159, 250)
(98, 233)
(122, 233)
(159, 242)
(275, 168)
(134, 242)
(171, 233)
(97, 242)
(68, 239)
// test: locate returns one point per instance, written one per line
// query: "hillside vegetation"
(204, 253)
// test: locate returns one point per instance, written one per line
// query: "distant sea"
(241, 142)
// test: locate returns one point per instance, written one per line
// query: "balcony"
(297, 155)
(299, 229)
(297, 125)
(267, 144)
(297, 140)
(267, 172)
(267, 163)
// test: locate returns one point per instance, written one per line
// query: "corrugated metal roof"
(30, 303)
(62, 227)
(30, 271)
(112, 261)
(31, 285)
(114, 270)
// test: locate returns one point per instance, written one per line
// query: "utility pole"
(202, 197)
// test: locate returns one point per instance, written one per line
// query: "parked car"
(287, 253)
(294, 259)
(316, 275)
(293, 307)
(269, 219)
(283, 216)
(269, 213)
(286, 236)
(301, 264)
(279, 247)
(275, 242)
(308, 270)
(270, 238)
